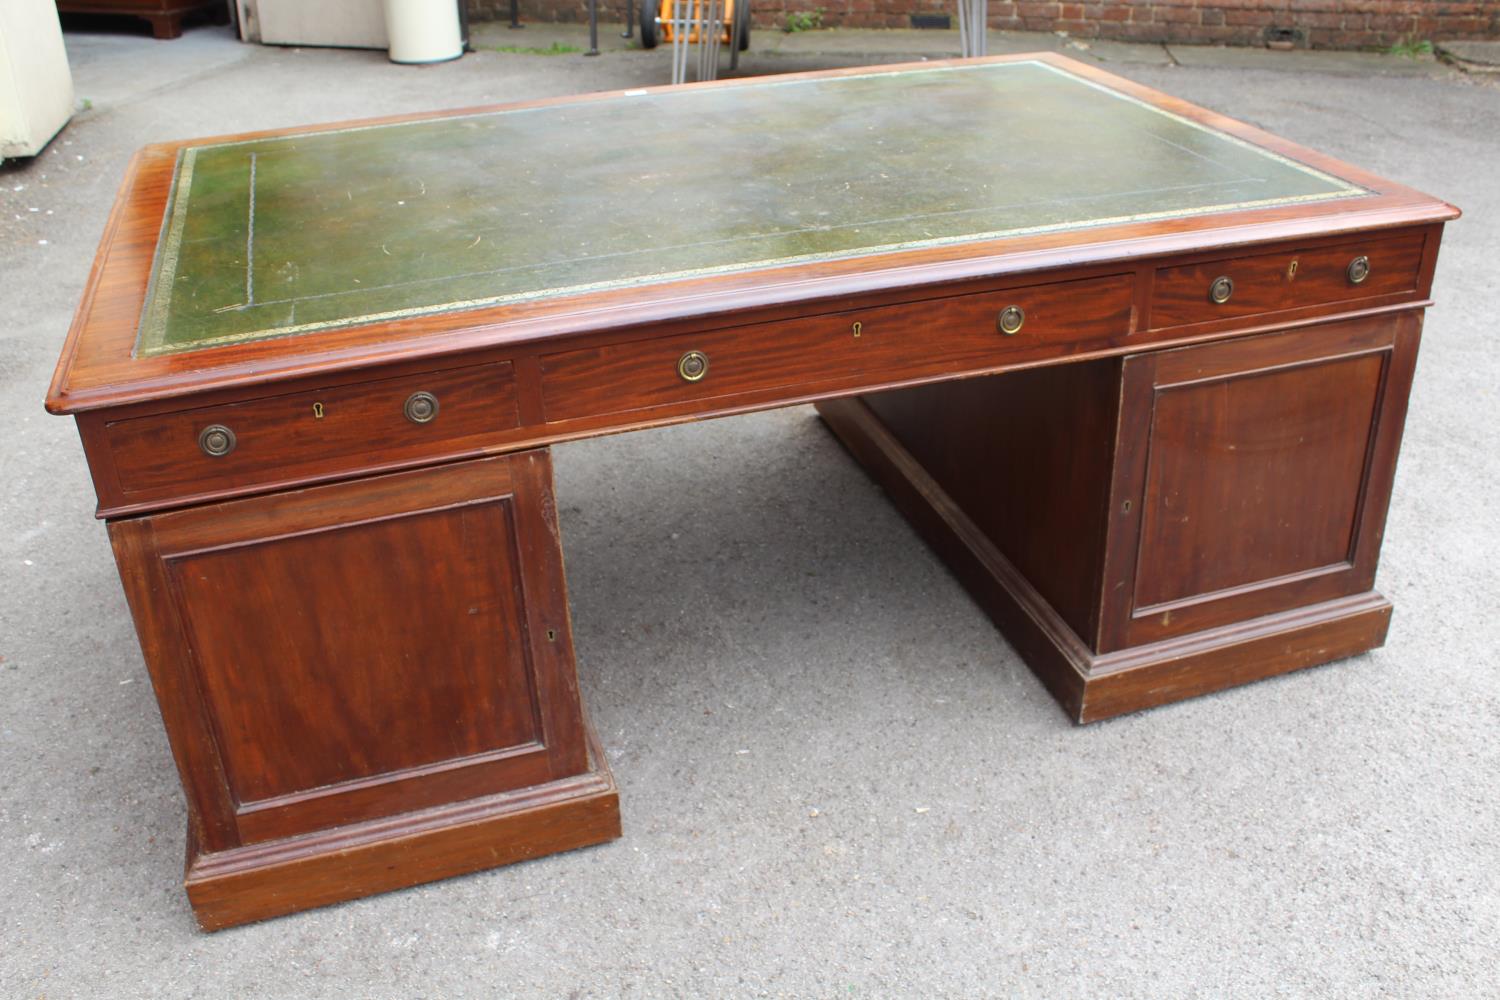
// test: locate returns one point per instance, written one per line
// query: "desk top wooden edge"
(99, 368)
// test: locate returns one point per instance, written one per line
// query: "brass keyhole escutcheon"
(216, 440)
(421, 408)
(858, 326)
(1010, 320)
(317, 411)
(692, 366)
(1221, 289)
(1359, 270)
(1291, 271)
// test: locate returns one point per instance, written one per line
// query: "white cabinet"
(356, 24)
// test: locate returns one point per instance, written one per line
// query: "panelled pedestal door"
(347, 652)
(1253, 475)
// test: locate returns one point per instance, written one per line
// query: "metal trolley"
(709, 24)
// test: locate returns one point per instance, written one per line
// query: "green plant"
(1410, 47)
(803, 20)
(555, 49)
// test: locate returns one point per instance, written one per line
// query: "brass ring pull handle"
(692, 366)
(1359, 270)
(216, 440)
(1010, 320)
(421, 408)
(1221, 289)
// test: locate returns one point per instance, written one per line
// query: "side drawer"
(317, 433)
(853, 348)
(1287, 279)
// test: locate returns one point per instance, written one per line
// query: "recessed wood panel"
(1255, 477)
(330, 641)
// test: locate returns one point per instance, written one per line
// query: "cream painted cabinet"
(355, 24)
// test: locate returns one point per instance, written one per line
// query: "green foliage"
(555, 49)
(803, 20)
(1410, 47)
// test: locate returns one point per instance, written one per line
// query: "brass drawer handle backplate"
(1221, 289)
(692, 366)
(1359, 270)
(1010, 320)
(421, 408)
(216, 440)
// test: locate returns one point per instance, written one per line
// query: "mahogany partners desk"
(1136, 371)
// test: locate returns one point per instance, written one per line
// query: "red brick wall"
(1315, 23)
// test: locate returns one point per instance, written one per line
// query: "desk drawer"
(1289, 279)
(858, 347)
(314, 434)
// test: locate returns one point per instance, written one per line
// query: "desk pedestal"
(1159, 526)
(367, 685)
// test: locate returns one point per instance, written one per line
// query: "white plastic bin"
(423, 31)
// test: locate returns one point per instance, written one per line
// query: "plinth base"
(268, 880)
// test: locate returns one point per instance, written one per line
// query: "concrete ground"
(836, 779)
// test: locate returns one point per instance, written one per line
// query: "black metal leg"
(515, 15)
(734, 38)
(629, 19)
(593, 28)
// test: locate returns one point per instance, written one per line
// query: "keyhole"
(858, 326)
(317, 411)
(1291, 271)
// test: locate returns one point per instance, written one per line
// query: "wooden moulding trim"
(242, 885)
(1092, 687)
(98, 368)
(304, 796)
(343, 839)
(1174, 669)
(1180, 648)
(1241, 589)
(69, 356)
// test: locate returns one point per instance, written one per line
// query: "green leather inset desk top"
(286, 235)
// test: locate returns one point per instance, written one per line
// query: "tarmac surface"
(836, 778)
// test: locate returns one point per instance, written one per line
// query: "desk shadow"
(741, 581)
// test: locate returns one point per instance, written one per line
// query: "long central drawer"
(909, 340)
